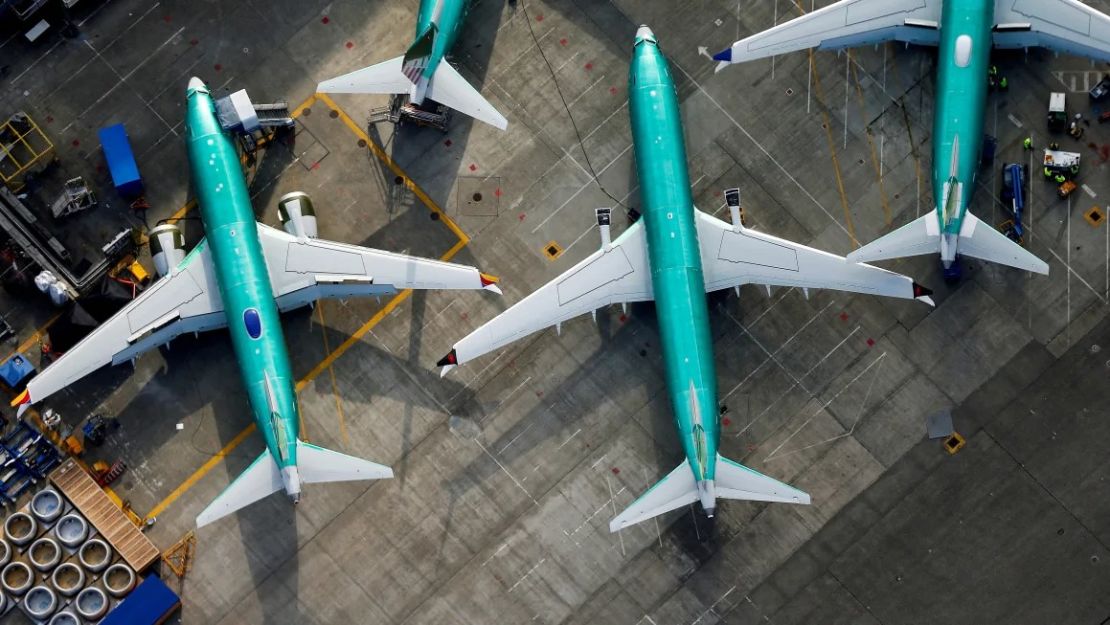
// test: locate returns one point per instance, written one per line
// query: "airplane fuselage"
(448, 16)
(963, 61)
(675, 259)
(245, 289)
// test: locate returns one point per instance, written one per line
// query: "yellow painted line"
(832, 149)
(31, 340)
(385, 158)
(331, 372)
(328, 360)
(871, 144)
(202, 471)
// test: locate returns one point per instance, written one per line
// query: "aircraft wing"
(1065, 25)
(185, 300)
(841, 25)
(732, 256)
(303, 270)
(613, 275)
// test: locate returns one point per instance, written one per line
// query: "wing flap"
(615, 275)
(735, 256)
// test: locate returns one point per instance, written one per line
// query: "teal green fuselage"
(231, 235)
(674, 255)
(961, 97)
(448, 16)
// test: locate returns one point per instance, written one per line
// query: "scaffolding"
(24, 149)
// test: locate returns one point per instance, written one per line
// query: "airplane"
(240, 276)
(675, 254)
(963, 31)
(422, 72)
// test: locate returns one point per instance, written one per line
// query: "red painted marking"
(613, 90)
(315, 165)
(473, 167)
(589, 66)
(497, 192)
(194, 42)
(350, 45)
(870, 342)
(752, 447)
(49, 119)
(447, 142)
(167, 18)
(539, 393)
(539, 18)
(464, 316)
(843, 316)
(563, 41)
(623, 318)
(325, 19)
(520, 217)
(726, 422)
(615, 471)
(76, 142)
(217, 67)
(717, 193)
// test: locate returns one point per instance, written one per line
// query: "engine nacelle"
(167, 247)
(297, 215)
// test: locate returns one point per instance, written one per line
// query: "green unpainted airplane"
(674, 255)
(422, 73)
(964, 32)
(240, 277)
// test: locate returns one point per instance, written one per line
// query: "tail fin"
(450, 89)
(263, 477)
(419, 54)
(919, 237)
(979, 240)
(679, 488)
(260, 479)
(324, 465)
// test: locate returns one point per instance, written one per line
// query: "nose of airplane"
(643, 32)
(196, 83)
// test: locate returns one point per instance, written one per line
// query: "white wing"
(841, 25)
(305, 270)
(734, 256)
(1066, 25)
(185, 300)
(608, 276)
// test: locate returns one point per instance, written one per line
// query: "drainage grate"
(1095, 216)
(954, 443)
(553, 250)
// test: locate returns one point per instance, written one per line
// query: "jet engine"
(297, 216)
(167, 247)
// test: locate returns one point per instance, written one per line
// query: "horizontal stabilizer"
(386, 77)
(261, 478)
(317, 464)
(450, 89)
(979, 240)
(736, 481)
(917, 238)
(670, 493)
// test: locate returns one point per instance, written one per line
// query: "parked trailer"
(121, 161)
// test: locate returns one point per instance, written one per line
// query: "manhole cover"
(478, 196)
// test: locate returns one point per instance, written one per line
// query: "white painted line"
(1089, 191)
(1015, 121)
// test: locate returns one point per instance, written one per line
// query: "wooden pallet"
(84, 493)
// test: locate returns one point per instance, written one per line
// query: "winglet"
(448, 362)
(22, 398)
(922, 294)
(489, 283)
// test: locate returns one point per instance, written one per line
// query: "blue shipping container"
(121, 160)
(150, 603)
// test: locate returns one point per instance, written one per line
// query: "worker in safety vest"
(1027, 143)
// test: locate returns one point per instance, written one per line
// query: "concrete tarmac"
(509, 469)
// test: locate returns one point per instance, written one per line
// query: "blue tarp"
(16, 370)
(121, 160)
(149, 604)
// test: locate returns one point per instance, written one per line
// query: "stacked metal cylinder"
(55, 568)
